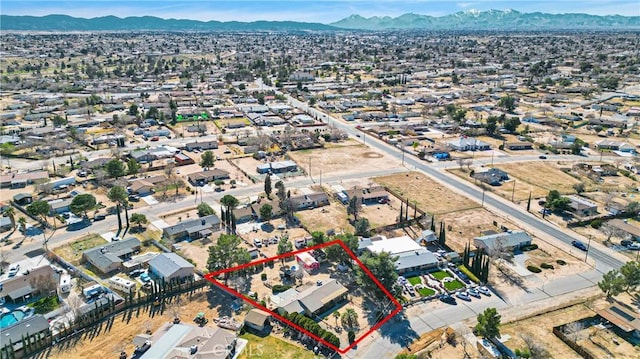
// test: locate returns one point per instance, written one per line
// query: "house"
(193, 229)
(505, 240)
(95, 163)
(182, 160)
(277, 167)
(412, 257)
(61, 183)
(171, 267)
(469, 144)
(59, 206)
(371, 194)
(6, 224)
(245, 214)
(257, 319)
(23, 199)
(28, 282)
(206, 145)
(313, 301)
(493, 176)
(623, 317)
(15, 334)
(427, 236)
(109, 257)
(518, 146)
(624, 226)
(174, 341)
(146, 185)
(312, 200)
(21, 180)
(203, 177)
(582, 207)
(614, 146)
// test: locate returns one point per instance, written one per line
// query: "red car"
(155, 138)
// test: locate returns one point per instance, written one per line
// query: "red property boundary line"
(398, 307)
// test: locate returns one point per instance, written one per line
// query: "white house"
(469, 144)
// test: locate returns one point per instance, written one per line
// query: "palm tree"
(23, 224)
(350, 318)
(336, 315)
(119, 196)
(11, 212)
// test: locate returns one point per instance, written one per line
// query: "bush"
(561, 262)
(596, 223)
(352, 336)
(263, 276)
(546, 266)
(280, 288)
(471, 276)
(534, 269)
(529, 247)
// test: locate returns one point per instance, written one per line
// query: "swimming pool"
(10, 318)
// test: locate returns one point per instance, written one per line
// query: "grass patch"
(415, 280)
(272, 347)
(72, 252)
(471, 276)
(45, 305)
(426, 292)
(440, 275)
(453, 285)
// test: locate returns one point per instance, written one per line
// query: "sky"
(323, 11)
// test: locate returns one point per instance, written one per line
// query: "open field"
(343, 159)
(72, 252)
(463, 226)
(322, 219)
(272, 347)
(540, 174)
(506, 190)
(430, 196)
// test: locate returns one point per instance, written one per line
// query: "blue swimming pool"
(8, 319)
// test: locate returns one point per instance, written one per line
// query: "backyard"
(272, 347)
(72, 252)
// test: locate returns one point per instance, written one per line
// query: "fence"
(559, 332)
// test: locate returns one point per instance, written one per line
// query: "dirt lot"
(434, 344)
(348, 158)
(543, 175)
(72, 252)
(431, 196)
(468, 224)
(333, 216)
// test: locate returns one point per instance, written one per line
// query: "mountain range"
(464, 20)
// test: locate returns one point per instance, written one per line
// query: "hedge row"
(311, 326)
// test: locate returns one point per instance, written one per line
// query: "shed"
(257, 319)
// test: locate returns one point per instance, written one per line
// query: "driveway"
(150, 200)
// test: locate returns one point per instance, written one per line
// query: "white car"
(484, 290)
(257, 242)
(13, 270)
(463, 296)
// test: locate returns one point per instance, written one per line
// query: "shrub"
(352, 336)
(596, 223)
(546, 266)
(466, 271)
(529, 247)
(280, 288)
(534, 269)
(561, 262)
(263, 276)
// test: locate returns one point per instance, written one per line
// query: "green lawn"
(45, 305)
(453, 285)
(415, 280)
(440, 275)
(425, 292)
(272, 347)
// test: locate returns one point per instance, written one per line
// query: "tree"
(576, 147)
(556, 202)
(536, 347)
(383, 267)
(317, 237)
(133, 167)
(511, 124)
(266, 211)
(492, 125)
(22, 224)
(133, 110)
(336, 253)
(488, 323)
(58, 121)
(119, 196)
(406, 356)
(336, 316)
(267, 186)
(353, 208)
(579, 187)
(281, 191)
(204, 210)
(349, 318)
(630, 271)
(11, 213)
(115, 168)
(230, 202)
(207, 160)
(633, 208)
(284, 245)
(82, 203)
(139, 219)
(361, 227)
(39, 208)
(227, 253)
(508, 103)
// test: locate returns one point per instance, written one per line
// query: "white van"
(65, 283)
(122, 285)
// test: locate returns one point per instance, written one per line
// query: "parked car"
(474, 292)
(634, 246)
(579, 245)
(484, 290)
(542, 157)
(626, 242)
(463, 296)
(447, 299)
(115, 239)
(99, 217)
(13, 270)
(257, 242)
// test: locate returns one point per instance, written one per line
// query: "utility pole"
(483, 189)
(513, 191)
(492, 153)
(587, 252)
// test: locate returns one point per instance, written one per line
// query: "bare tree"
(536, 348)
(74, 303)
(573, 331)
(499, 251)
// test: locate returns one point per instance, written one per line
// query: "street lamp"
(587, 252)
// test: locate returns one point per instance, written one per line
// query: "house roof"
(175, 341)
(624, 226)
(508, 239)
(103, 256)
(621, 316)
(32, 325)
(257, 317)
(314, 298)
(189, 226)
(205, 175)
(167, 264)
(417, 258)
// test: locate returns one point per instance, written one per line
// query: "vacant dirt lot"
(380, 215)
(431, 196)
(343, 159)
(463, 226)
(540, 174)
(333, 216)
